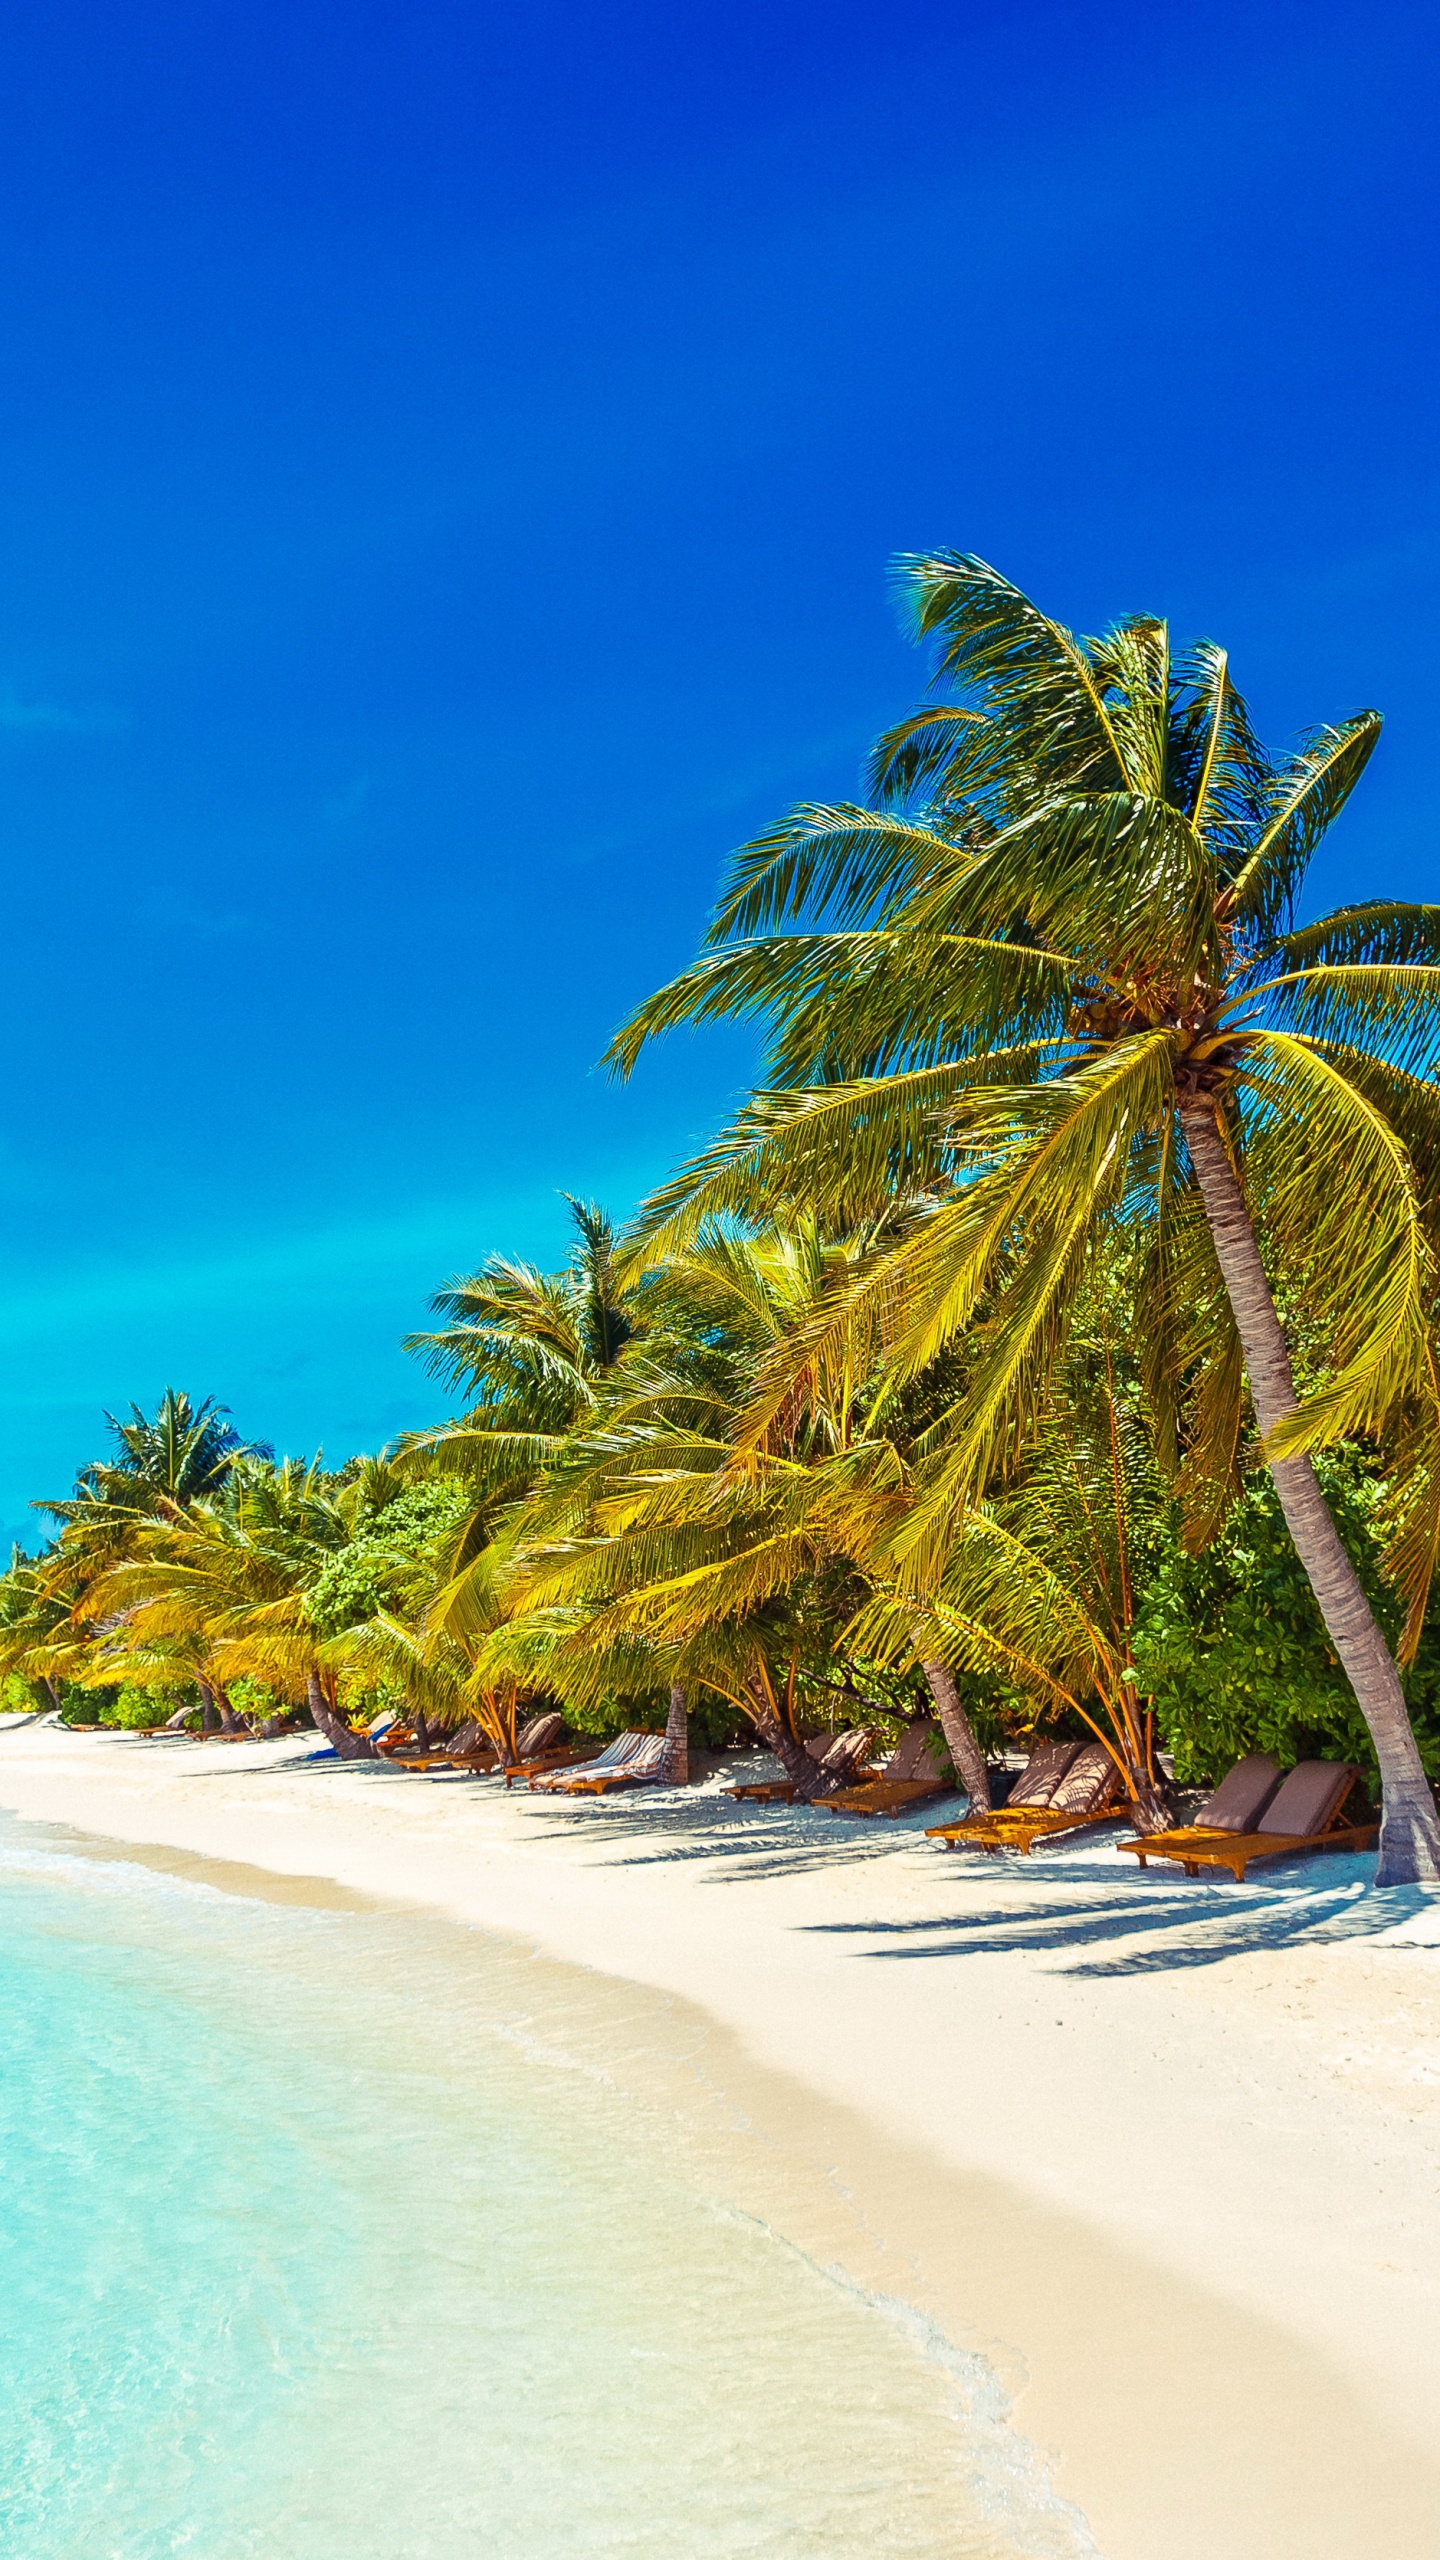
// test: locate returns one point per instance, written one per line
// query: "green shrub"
(1233, 1646)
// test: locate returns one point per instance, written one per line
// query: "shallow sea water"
(315, 2247)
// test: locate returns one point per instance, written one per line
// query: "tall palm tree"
(173, 1456)
(530, 1350)
(1052, 973)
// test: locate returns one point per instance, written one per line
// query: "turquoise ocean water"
(310, 2251)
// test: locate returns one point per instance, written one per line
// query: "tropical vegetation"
(1049, 1343)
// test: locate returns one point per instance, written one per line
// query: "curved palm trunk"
(959, 1733)
(345, 1744)
(789, 1750)
(230, 1722)
(675, 1762)
(1410, 1829)
(1131, 1741)
(270, 1727)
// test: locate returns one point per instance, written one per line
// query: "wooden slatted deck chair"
(840, 1757)
(549, 1752)
(1306, 1813)
(910, 1776)
(627, 1761)
(542, 1736)
(1063, 1787)
(541, 1744)
(1234, 1806)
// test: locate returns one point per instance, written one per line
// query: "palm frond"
(1305, 799)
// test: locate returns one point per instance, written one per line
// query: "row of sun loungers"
(1064, 1788)
(1253, 1813)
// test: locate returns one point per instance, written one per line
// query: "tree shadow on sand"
(1159, 1926)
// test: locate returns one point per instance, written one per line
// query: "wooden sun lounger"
(1317, 1793)
(909, 1777)
(632, 1759)
(887, 1796)
(1019, 1830)
(569, 1756)
(636, 1772)
(418, 1760)
(1084, 1772)
(836, 1756)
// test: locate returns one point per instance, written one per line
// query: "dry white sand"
(1168, 2152)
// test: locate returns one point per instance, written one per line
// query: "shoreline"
(1165, 2153)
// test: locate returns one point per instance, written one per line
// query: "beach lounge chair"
(539, 1745)
(910, 1776)
(551, 1750)
(1065, 1786)
(539, 1741)
(627, 1761)
(840, 1756)
(1305, 1813)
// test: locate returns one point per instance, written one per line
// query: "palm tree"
(1052, 974)
(42, 1637)
(1042, 1584)
(531, 1350)
(235, 1579)
(659, 1547)
(172, 1458)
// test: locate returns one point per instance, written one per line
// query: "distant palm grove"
(1049, 1347)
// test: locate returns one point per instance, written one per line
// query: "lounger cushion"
(839, 1752)
(1089, 1782)
(1042, 1774)
(912, 1757)
(1313, 1791)
(542, 1733)
(1242, 1795)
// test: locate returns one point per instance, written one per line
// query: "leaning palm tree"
(1042, 1583)
(1052, 973)
(236, 1579)
(43, 1634)
(659, 1541)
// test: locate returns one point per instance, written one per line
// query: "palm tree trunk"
(675, 1762)
(959, 1733)
(789, 1750)
(1410, 1828)
(230, 1722)
(209, 1717)
(345, 1744)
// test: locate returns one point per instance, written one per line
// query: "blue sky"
(451, 455)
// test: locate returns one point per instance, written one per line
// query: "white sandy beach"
(1168, 2152)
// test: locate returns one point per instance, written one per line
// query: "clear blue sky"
(450, 459)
